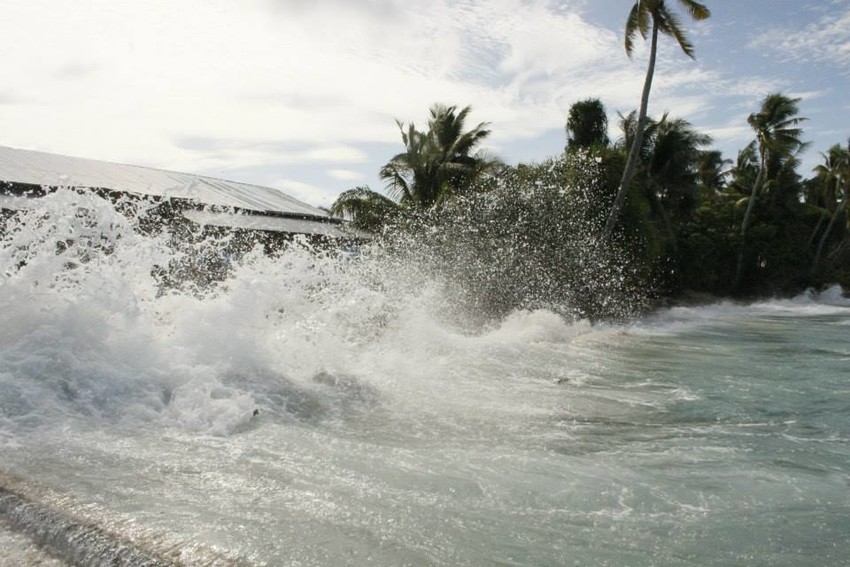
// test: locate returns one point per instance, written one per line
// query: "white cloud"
(214, 85)
(305, 192)
(121, 79)
(345, 174)
(826, 41)
(736, 130)
(336, 153)
(807, 95)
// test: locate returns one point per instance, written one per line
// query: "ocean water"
(386, 433)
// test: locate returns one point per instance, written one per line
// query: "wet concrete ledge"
(40, 515)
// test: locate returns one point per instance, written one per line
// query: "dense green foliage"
(587, 124)
(655, 211)
(754, 229)
(692, 222)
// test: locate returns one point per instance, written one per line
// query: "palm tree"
(366, 209)
(587, 124)
(675, 161)
(711, 172)
(778, 141)
(834, 175)
(642, 14)
(744, 172)
(669, 159)
(438, 162)
(435, 164)
(628, 126)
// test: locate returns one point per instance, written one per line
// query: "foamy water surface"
(388, 433)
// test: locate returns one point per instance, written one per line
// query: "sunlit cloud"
(326, 72)
(734, 131)
(313, 87)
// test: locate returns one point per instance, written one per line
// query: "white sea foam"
(833, 300)
(89, 333)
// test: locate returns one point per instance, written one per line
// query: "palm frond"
(398, 185)
(632, 28)
(647, 13)
(436, 162)
(364, 208)
(696, 10)
(670, 24)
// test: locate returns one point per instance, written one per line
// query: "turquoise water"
(715, 435)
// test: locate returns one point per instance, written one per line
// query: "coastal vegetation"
(657, 209)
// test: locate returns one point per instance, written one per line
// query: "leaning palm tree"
(834, 174)
(646, 14)
(778, 141)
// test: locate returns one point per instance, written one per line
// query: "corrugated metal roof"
(44, 169)
(13, 203)
(276, 224)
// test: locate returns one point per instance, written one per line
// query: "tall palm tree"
(438, 162)
(834, 174)
(646, 14)
(778, 141)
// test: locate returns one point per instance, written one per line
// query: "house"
(181, 200)
(211, 221)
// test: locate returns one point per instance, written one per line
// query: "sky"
(303, 95)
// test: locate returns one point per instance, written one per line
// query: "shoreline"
(690, 298)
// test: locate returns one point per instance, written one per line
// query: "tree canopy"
(436, 164)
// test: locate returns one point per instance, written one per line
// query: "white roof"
(276, 224)
(43, 169)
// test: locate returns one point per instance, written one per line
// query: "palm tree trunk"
(637, 143)
(814, 232)
(739, 270)
(823, 238)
